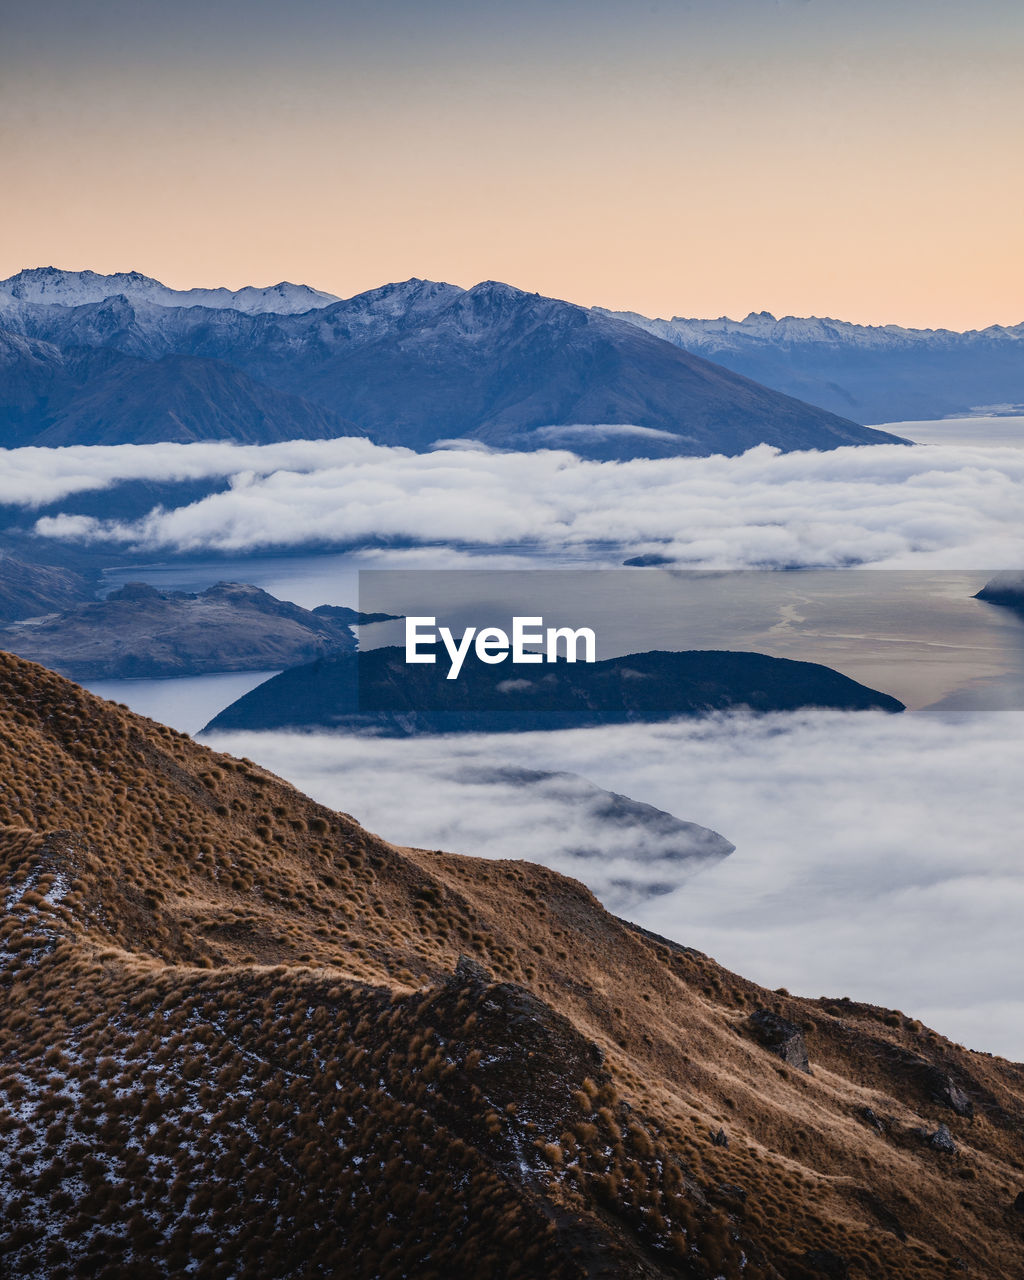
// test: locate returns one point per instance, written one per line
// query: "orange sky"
(698, 158)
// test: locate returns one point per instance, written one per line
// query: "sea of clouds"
(939, 506)
(876, 856)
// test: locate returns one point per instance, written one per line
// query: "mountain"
(29, 588)
(51, 285)
(55, 396)
(1006, 589)
(139, 631)
(242, 1036)
(378, 692)
(416, 362)
(873, 373)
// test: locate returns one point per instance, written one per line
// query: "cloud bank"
(877, 857)
(898, 506)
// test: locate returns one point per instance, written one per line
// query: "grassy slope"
(233, 1033)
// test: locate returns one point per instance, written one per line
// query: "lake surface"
(186, 703)
(918, 634)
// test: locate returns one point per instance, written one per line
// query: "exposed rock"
(871, 1118)
(469, 972)
(826, 1262)
(942, 1140)
(780, 1037)
(945, 1089)
(720, 1139)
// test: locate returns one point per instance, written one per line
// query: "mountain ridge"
(376, 691)
(417, 361)
(241, 1035)
(878, 373)
(55, 285)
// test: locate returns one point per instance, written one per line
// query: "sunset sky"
(854, 158)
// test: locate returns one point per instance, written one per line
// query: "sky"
(690, 157)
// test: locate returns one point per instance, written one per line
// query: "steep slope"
(1005, 589)
(414, 362)
(139, 631)
(874, 373)
(29, 588)
(52, 395)
(237, 1039)
(379, 692)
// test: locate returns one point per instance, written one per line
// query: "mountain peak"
(54, 285)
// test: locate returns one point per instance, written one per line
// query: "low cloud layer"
(925, 506)
(877, 857)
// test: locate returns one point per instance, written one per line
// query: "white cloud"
(877, 857)
(950, 506)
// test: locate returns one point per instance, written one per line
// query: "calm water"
(186, 704)
(918, 635)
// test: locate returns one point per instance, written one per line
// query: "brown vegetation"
(237, 1040)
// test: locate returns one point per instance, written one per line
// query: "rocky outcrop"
(780, 1037)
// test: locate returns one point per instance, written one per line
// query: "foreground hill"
(408, 363)
(379, 692)
(241, 1036)
(874, 373)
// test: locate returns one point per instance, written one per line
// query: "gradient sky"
(698, 157)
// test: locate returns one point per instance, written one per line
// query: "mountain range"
(408, 364)
(242, 1036)
(873, 373)
(138, 631)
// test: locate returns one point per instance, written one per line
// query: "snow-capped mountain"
(874, 373)
(74, 288)
(409, 363)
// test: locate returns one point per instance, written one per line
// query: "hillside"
(379, 692)
(92, 394)
(241, 1036)
(140, 631)
(873, 373)
(409, 364)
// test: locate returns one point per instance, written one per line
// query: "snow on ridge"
(51, 285)
(723, 333)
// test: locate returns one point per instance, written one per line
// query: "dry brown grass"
(233, 1039)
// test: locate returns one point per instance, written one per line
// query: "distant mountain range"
(377, 692)
(50, 285)
(873, 373)
(407, 364)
